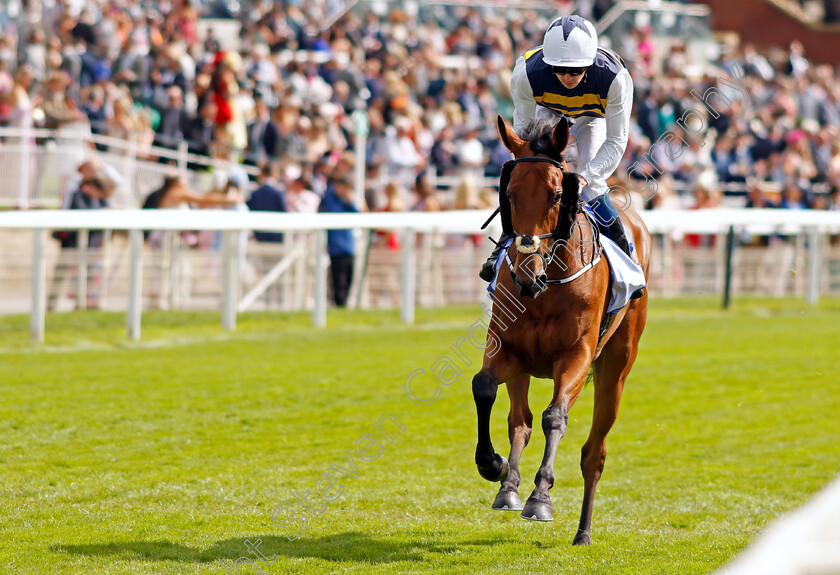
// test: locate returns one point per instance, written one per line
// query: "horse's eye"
(558, 194)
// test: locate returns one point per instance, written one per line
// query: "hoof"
(582, 538)
(537, 511)
(507, 501)
(497, 471)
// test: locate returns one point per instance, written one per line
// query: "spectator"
(263, 71)
(471, 158)
(58, 109)
(35, 53)
(793, 198)
(374, 188)
(797, 64)
(394, 202)
(833, 201)
(118, 193)
(665, 197)
(19, 114)
(268, 197)
(175, 195)
(165, 74)
(92, 194)
(300, 198)
(466, 196)
(202, 130)
(706, 196)
(424, 195)
(402, 159)
(281, 139)
(175, 121)
(232, 184)
(340, 243)
(123, 123)
(444, 153)
(257, 127)
(757, 197)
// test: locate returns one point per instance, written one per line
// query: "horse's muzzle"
(531, 289)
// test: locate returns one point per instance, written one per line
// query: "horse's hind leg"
(611, 370)
(569, 377)
(519, 431)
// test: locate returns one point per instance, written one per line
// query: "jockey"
(570, 75)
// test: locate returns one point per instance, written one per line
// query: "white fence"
(805, 541)
(804, 260)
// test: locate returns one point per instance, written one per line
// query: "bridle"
(532, 244)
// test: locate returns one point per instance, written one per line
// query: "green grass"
(164, 456)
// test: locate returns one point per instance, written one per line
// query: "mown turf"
(165, 456)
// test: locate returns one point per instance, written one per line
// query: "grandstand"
(321, 89)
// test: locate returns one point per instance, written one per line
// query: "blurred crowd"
(430, 88)
(778, 146)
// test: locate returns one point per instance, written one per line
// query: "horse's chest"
(538, 344)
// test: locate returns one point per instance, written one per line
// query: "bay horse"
(554, 324)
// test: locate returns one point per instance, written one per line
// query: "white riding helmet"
(570, 41)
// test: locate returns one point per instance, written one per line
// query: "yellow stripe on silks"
(572, 113)
(530, 53)
(573, 101)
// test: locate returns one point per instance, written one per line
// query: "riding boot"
(610, 224)
(488, 270)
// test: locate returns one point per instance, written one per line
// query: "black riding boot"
(614, 230)
(488, 270)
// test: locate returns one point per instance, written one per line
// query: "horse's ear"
(560, 137)
(509, 138)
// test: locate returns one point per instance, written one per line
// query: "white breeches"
(590, 134)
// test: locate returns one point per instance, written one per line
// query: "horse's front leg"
(519, 432)
(485, 384)
(569, 377)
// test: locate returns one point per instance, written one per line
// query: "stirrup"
(488, 269)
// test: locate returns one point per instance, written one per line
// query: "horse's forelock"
(538, 133)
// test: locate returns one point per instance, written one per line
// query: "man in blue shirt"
(341, 245)
(267, 198)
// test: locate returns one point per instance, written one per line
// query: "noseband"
(532, 244)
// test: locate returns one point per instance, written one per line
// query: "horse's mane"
(570, 205)
(538, 133)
